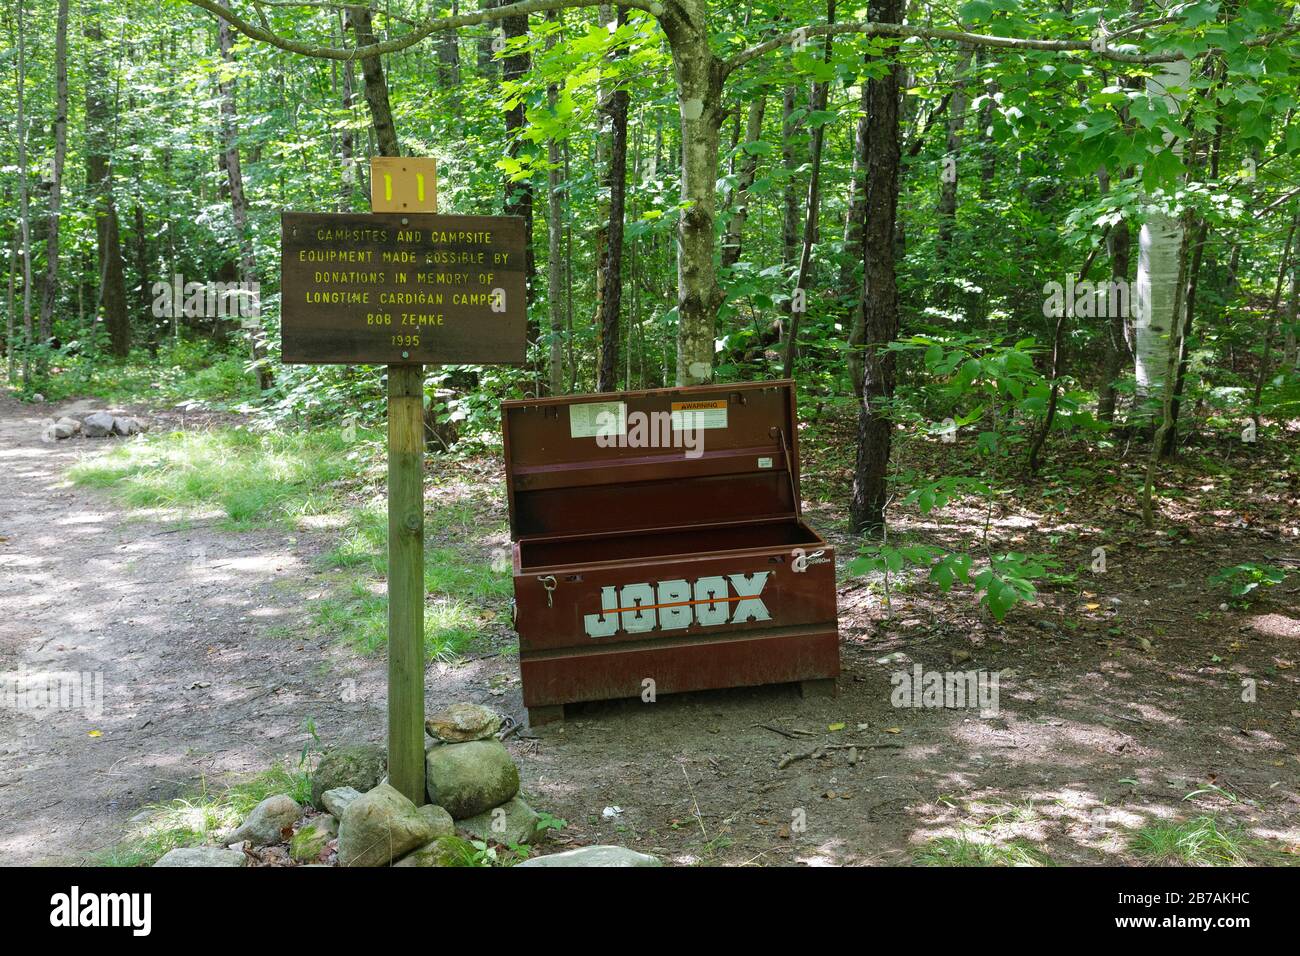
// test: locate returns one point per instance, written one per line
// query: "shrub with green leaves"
(1243, 580)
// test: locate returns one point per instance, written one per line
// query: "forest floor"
(1122, 701)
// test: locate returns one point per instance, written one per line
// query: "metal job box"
(659, 546)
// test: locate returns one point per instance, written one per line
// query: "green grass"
(196, 819)
(1202, 841)
(459, 583)
(189, 371)
(963, 851)
(253, 477)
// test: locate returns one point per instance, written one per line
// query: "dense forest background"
(954, 213)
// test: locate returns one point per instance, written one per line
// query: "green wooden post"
(406, 581)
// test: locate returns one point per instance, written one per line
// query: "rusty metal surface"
(393, 289)
(561, 484)
(635, 563)
(734, 661)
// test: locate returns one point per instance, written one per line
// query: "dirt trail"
(170, 617)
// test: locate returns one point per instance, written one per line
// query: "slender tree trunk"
(1171, 360)
(947, 207)
(99, 178)
(747, 169)
(11, 330)
(554, 236)
(1292, 356)
(880, 289)
(239, 200)
(50, 291)
(347, 138)
(699, 76)
(24, 210)
(789, 199)
(1058, 365)
(372, 69)
(448, 45)
(1160, 242)
(616, 109)
(988, 151)
(1119, 243)
(518, 195)
(789, 193)
(850, 285)
(1287, 251)
(817, 102)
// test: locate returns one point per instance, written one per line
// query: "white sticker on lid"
(592, 419)
(765, 463)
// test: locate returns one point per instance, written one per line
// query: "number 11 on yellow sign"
(403, 184)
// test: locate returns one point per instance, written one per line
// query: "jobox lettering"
(678, 603)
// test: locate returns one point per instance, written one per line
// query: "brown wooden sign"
(399, 289)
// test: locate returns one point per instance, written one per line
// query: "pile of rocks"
(357, 819)
(93, 425)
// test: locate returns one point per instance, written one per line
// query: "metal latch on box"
(548, 582)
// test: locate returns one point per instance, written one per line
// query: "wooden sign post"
(404, 288)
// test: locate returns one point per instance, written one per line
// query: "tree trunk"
(699, 76)
(24, 210)
(554, 230)
(50, 291)
(99, 180)
(854, 249)
(518, 196)
(988, 151)
(1292, 357)
(748, 167)
(11, 331)
(448, 46)
(1287, 252)
(347, 142)
(879, 289)
(1160, 242)
(789, 201)
(616, 108)
(1119, 243)
(1166, 417)
(947, 208)
(372, 69)
(817, 101)
(239, 201)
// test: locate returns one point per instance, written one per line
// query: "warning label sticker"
(590, 419)
(688, 416)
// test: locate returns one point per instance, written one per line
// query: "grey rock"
(268, 821)
(337, 800)
(444, 851)
(127, 426)
(359, 766)
(312, 837)
(61, 431)
(203, 856)
(471, 778)
(381, 826)
(463, 722)
(439, 819)
(595, 856)
(514, 823)
(98, 425)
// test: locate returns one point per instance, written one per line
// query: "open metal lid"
(665, 458)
